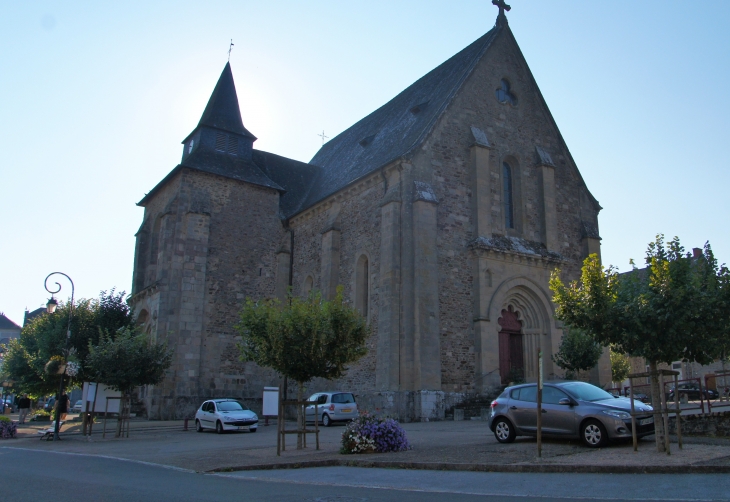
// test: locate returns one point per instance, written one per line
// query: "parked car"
(225, 415)
(78, 407)
(49, 404)
(332, 407)
(570, 409)
(692, 391)
(6, 402)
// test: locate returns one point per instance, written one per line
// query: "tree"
(578, 352)
(303, 338)
(126, 360)
(45, 337)
(669, 311)
(620, 366)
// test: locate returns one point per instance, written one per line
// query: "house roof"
(29, 316)
(6, 323)
(222, 111)
(397, 128)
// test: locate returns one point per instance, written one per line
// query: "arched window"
(308, 285)
(362, 285)
(507, 196)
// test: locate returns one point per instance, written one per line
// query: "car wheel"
(252, 430)
(593, 434)
(198, 427)
(326, 420)
(219, 427)
(504, 431)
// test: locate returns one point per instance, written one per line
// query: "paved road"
(36, 474)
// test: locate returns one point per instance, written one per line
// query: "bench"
(47, 434)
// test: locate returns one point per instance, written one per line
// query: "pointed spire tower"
(220, 128)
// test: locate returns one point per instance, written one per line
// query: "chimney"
(697, 252)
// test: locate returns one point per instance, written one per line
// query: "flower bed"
(369, 434)
(8, 428)
(41, 416)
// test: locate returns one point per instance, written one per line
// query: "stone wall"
(355, 215)
(713, 424)
(446, 161)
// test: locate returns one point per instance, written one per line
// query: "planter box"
(41, 419)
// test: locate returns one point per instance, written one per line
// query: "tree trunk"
(300, 416)
(656, 402)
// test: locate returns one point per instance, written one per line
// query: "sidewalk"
(467, 446)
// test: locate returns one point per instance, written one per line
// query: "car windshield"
(586, 392)
(230, 406)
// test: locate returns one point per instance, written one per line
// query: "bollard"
(185, 425)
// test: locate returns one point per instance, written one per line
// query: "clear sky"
(95, 98)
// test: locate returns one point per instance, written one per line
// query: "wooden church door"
(511, 360)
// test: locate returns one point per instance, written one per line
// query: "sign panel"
(271, 402)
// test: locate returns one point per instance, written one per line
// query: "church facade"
(442, 214)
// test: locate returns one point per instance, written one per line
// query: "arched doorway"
(511, 358)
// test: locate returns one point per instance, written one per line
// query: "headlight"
(617, 414)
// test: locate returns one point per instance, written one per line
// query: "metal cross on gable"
(323, 136)
(230, 48)
(502, 6)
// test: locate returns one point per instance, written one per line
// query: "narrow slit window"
(220, 142)
(507, 196)
(190, 146)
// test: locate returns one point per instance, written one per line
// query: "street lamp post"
(51, 308)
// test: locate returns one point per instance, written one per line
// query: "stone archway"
(531, 308)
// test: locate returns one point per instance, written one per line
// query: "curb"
(516, 468)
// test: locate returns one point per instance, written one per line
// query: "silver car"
(570, 409)
(332, 407)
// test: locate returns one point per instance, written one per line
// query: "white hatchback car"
(225, 415)
(332, 407)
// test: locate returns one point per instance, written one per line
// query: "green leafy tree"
(127, 360)
(578, 352)
(303, 338)
(669, 311)
(44, 338)
(620, 366)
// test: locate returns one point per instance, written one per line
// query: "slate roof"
(238, 168)
(222, 111)
(6, 323)
(219, 163)
(397, 128)
(29, 316)
(295, 177)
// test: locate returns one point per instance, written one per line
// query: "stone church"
(442, 214)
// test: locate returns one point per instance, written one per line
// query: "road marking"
(142, 462)
(244, 475)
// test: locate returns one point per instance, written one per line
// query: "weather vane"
(323, 137)
(230, 48)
